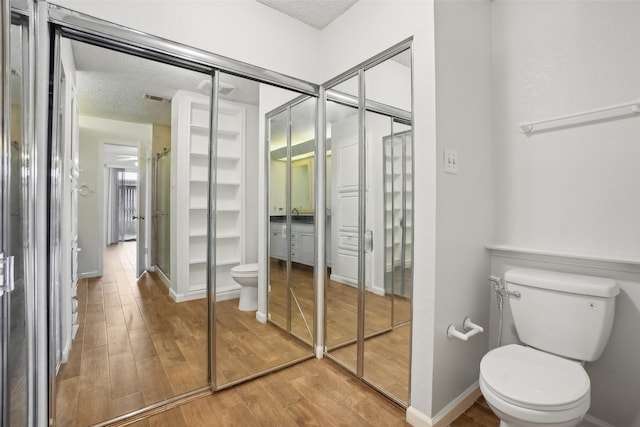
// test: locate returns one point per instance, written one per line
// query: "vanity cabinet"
(190, 191)
(302, 242)
(278, 240)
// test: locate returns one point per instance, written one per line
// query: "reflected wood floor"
(386, 355)
(135, 346)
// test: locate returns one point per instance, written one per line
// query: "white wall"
(568, 189)
(573, 190)
(94, 133)
(464, 205)
(244, 30)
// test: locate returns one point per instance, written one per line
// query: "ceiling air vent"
(156, 98)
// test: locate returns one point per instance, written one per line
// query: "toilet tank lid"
(563, 282)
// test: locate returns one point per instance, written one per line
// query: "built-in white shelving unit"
(190, 179)
(398, 184)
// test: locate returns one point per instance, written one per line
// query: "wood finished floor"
(478, 415)
(134, 348)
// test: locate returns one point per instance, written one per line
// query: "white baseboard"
(344, 280)
(261, 317)
(449, 413)
(162, 276)
(230, 292)
(188, 296)
(417, 418)
(89, 275)
(377, 291)
(590, 421)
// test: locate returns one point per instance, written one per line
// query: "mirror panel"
(14, 243)
(279, 302)
(388, 270)
(369, 269)
(132, 341)
(342, 199)
(256, 311)
(303, 145)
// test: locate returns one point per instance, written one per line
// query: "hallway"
(134, 346)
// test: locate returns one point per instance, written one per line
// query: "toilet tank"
(566, 314)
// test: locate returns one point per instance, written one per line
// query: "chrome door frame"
(23, 15)
(5, 123)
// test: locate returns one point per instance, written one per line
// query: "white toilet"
(246, 275)
(564, 319)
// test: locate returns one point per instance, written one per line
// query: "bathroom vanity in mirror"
(302, 239)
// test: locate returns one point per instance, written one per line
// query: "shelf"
(193, 177)
(227, 236)
(199, 128)
(225, 133)
(228, 133)
(228, 262)
(229, 158)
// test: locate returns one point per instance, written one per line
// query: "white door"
(141, 231)
(344, 259)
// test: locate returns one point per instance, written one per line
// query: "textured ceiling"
(113, 84)
(317, 13)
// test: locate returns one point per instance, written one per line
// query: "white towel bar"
(526, 127)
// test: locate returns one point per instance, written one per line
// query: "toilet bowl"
(562, 320)
(528, 387)
(246, 275)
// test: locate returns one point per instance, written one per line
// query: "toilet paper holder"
(470, 328)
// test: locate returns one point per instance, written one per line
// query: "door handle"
(368, 240)
(138, 217)
(6, 274)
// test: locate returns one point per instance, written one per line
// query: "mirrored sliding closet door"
(369, 230)
(264, 222)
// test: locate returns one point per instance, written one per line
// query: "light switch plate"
(450, 161)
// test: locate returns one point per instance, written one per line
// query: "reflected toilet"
(246, 275)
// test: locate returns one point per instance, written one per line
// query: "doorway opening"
(121, 193)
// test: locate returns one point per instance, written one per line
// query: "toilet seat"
(245, 270)
(533, 387)
(534, 380)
